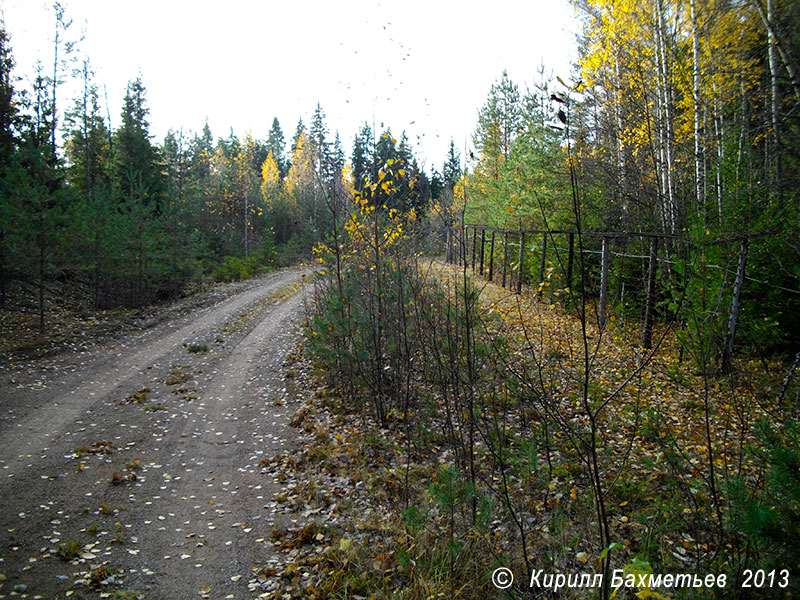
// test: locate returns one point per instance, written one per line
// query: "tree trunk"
(647, 333)
(669, 208)
(3, 276)
(620, 149)
(521, 260)
(772, 53)
(727, 351)
(698, 161)
(42, 264)
(719, 133)
(247, 224)
(788, 62)
(601, 310)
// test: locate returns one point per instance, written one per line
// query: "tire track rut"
(175, 505)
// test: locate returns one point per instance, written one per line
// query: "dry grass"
(388, 534)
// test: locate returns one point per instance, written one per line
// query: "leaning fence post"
(491, 257)
(521, 259)
(570, 260)
(727, 351)
(474, 240)
(505, 257)
(647, 333)
(601, 311)
(483, 248)
(541, 263)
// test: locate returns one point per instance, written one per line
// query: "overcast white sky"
(422, 66)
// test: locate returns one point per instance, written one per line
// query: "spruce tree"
(319, 131)
(451, 170)
(363, 148)
(8, 121)
(300, 129)
(140, 187)
(136, 162)
(277, 145)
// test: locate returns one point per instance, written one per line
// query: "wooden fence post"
(505, 257)
(647, 333)
(570, 260)
(601, 311)
(474, 240)
(483, 248)
(491, 257)
(541, 263)
(521, 260)
(727, 351)
(462, 246)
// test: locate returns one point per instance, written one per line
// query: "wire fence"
(487, 250)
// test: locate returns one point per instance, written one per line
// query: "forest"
(113, 218)
(572, 350)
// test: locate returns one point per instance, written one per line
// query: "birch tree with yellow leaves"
(281, 206)
(697, 125)
(689, 132)
(302, 185)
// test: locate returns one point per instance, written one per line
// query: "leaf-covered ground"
(366, 503)
(289, 491)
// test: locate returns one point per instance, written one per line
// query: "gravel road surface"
(135, 467)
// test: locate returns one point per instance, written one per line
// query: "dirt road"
(135, 468)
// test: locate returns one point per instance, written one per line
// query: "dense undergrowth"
(73, 321)
(492, 429)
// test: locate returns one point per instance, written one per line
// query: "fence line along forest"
(575, 349)
(641, 286)
(631, 402)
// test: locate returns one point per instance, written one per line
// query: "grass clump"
(69, 550)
